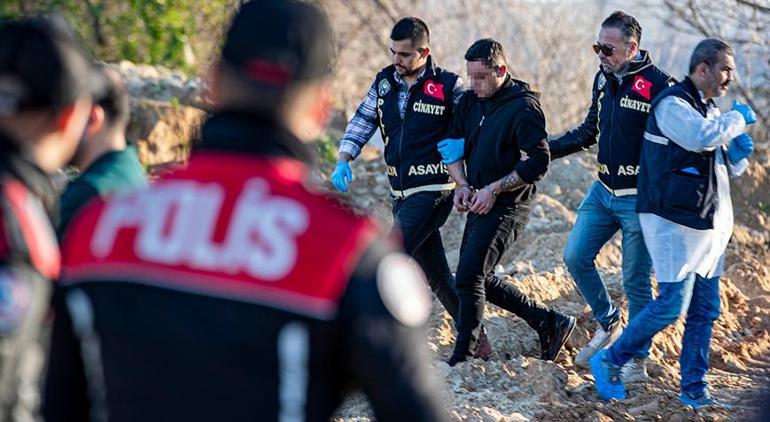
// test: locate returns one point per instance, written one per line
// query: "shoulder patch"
(14, 302)
(404, 290)
(38, 235)
(434, 89)
(383, 88)
(601, 82)
(642, 87)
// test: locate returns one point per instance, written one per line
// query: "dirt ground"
(515, 385)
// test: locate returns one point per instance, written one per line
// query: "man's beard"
(408, 72)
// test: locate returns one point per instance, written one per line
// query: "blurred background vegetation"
(179, 34)
(547, 41)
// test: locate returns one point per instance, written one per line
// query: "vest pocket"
(685, 191)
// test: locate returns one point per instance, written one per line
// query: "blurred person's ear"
(700, 71)
(71, 124)
(72, 114)
(309, 110)
(96, 120)
(501, 70)
(424, 52)
(633, 47)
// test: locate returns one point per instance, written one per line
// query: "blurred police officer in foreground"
(229, 290)
(45, 89)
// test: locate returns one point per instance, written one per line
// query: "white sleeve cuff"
(350, 148)
(737, 169)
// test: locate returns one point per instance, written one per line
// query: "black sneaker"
(554, 335)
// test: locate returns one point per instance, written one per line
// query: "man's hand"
(342, 176)
(740, 147)
(484, 200)
(748, 114)
(463, 198)
(451, 149)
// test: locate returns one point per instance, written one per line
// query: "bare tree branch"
(755, 5)
(96, 22)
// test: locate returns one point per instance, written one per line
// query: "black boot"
(554, 334)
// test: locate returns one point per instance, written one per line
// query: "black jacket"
(282, 323)
(616, 119)
(410, 142)
(497, 130)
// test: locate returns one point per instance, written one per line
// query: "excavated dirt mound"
(514, 385)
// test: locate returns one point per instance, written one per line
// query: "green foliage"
(327, 148)
(763, 207)
(181, 34)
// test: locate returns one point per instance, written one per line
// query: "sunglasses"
(606, 49)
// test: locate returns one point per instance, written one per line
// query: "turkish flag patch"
(432, 89)
(643, 87)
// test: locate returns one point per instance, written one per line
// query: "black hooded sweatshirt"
(503, 133)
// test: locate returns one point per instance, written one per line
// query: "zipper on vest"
(401, 137)
(609, 144)
(709, 191)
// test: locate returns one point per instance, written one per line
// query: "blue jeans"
(599, 217)
(419, 218)
(700, 298)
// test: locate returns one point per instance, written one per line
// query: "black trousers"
(485, 240)
(419, 217)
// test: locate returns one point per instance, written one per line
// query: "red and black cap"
(276, 43)
(42, 66)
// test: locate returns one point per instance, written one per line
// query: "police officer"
(412, 103)
(108, 163)
(500, 120)
(229, 290)
(689, 152)
(623, 90)
(44, 102)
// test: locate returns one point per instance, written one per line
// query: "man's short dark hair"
(627, 24)
(488, 51)
(413, 29)
(113, 98)
(42, 65)
(708, 51)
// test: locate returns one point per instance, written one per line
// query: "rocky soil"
(515, 385)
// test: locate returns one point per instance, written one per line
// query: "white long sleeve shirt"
(678, 250)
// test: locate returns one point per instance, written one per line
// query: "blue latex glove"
(342, 176)
(740, 147)
(748, 114)
(451, 149)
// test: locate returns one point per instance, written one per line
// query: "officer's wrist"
(490, 189)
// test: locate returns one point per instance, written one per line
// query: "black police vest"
(410, 143)
(668, 185)
(623, 109)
